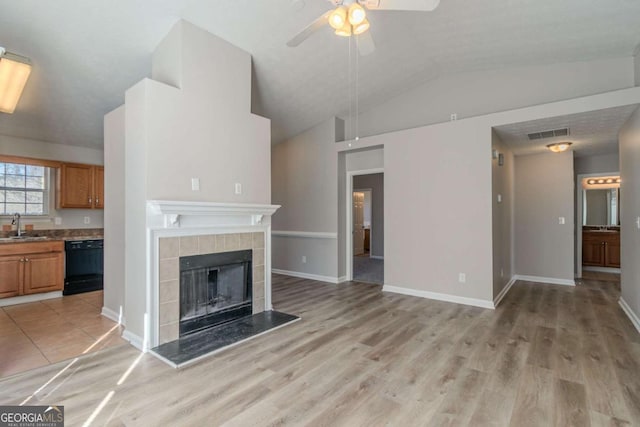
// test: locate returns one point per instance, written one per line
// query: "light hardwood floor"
(549, 355)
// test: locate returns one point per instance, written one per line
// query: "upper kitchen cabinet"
(80, 186)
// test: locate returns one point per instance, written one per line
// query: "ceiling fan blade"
(416, 5)
(366, 46)
(309, 29)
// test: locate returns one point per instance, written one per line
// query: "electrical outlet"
(238, 188)
(57, 220)
(304, 259)
(638, 222)
(561, 220)
(195, 184)
(462, 278)
(454, 117)
(502, 272)
(87, 220)
(499, 198)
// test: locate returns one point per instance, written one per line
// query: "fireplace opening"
(214, 289)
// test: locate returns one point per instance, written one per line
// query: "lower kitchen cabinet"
(31, 267)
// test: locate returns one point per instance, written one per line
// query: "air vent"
(548, 134)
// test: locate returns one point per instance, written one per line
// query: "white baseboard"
(602, 269)
(302, 275)
(630, 314)
(112, 315)
(342, 279)
(23, 299)
(134, 340)
(550, 280)
(504, 291)
(440, 297)
(376, 257)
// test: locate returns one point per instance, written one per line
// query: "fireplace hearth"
(215, 288)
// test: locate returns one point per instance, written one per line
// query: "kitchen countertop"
(52, 235)
(32, 239)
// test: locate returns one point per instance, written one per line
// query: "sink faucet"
(16, 221)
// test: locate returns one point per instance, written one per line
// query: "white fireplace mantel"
(171, 214)
(186, 218)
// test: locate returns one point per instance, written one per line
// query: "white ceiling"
(592, 133)
(87, 53)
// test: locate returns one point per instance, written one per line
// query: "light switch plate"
(195, 184)
(499, 198)
(561, 220)
(238, 188)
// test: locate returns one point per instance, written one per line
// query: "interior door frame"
(349, 218)
(580, 213)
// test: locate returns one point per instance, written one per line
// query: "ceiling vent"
(548, 134)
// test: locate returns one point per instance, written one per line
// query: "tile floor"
(45, 332)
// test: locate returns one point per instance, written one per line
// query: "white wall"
(502, 184)
(375, 182)
(203, 129)
(544, 192)
(630, 212)
(114, 211)
(427, 246)
(602, 163)
(636, 67)
(71, 218)
(482, 92)
(305, 182)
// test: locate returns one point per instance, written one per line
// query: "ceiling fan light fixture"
(338, 17)
(357, 14)
(361, 28)
(345, 31)
(559, 147)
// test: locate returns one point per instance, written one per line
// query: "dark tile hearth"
(191, 347)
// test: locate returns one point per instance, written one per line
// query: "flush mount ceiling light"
(14, 72)
(559, 147)
(350, 18)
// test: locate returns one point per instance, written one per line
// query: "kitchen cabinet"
(601, 248)
(31, 267)
(80, 186)
(10, 276)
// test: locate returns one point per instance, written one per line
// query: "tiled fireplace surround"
(170, 251)
(177, 228)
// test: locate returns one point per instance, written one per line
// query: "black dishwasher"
(84, 266)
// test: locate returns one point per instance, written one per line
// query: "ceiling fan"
(350, 18)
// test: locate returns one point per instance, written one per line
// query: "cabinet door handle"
(89, 200)
(21, 259)
(26, 260)
(97, 201)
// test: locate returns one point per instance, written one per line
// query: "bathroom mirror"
(601, 207)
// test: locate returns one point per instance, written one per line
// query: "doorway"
(598, 224)
(366, 222)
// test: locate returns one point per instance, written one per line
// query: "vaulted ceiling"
(87, 53)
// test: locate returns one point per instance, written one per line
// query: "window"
(23, 189)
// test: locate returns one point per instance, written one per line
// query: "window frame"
(50, 168)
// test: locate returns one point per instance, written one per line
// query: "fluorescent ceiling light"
(14, 72)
